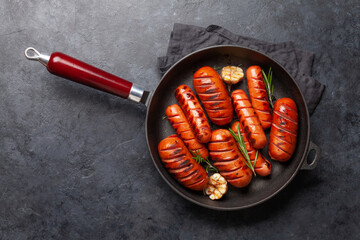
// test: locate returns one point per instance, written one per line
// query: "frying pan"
(261, 188)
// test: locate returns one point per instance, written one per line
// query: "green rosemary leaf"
(241, 145)
(256, 157)
(268, 86)
(199, 159)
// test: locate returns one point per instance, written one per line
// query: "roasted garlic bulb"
(232, 74)
(217, 187)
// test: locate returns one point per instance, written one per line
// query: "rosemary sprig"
(164, 117)
(256, 156)
(268, 85)
(199, 159)
(241, 143)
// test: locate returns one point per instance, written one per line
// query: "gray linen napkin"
(185, 39)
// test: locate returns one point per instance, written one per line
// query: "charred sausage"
(182, 127)
(283, 131)
(194, 113)
(248, 119)
(179, 162)
(228, 159)
(213, 95)
(262, 166)
(258, 95)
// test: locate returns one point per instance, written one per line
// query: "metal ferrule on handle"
(70, 68)
(135, 94)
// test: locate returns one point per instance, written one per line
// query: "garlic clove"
(232, 74)
(217, 187)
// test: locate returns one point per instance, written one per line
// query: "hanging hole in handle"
(311, 157)
(32, 54)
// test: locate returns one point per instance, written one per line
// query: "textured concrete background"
(74, 162)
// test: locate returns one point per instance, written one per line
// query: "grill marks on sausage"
(177, 151)
(230, 174)
(216, 110)
(220, 118)
(221, 139)
(282, 138)
(262, 166)
(171, 149)
(179, 162)
(258, 78)
(259, 89)
(287, 117)
(224, 150)
(262, 111)
(213, 95)
(184, 163)
(197, 184)
(190, 96)
(279, 147)
(182, 171)
(173, 159)
(290, 110)
(215, 104)
(248, 119)
(191, 174)
(210, 92)
(282, 129)
(194, 113)
(283, 134)
(228, 159)
(182, 127)
(258, 95)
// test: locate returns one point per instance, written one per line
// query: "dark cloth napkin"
(185, 39)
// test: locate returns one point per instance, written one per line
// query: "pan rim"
(247, 205)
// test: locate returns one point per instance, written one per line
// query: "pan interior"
(158, 128)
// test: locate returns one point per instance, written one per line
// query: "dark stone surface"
(74, 162)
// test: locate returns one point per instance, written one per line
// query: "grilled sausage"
(179, 162)
(228, 158)
(283, 131)
(248, 119)
(258, 95)
(181, 125)
(262, 166)
(213, 95)
(194, 113)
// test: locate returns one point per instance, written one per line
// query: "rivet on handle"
(33, 54)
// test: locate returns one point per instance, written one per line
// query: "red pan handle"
(70, 68)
